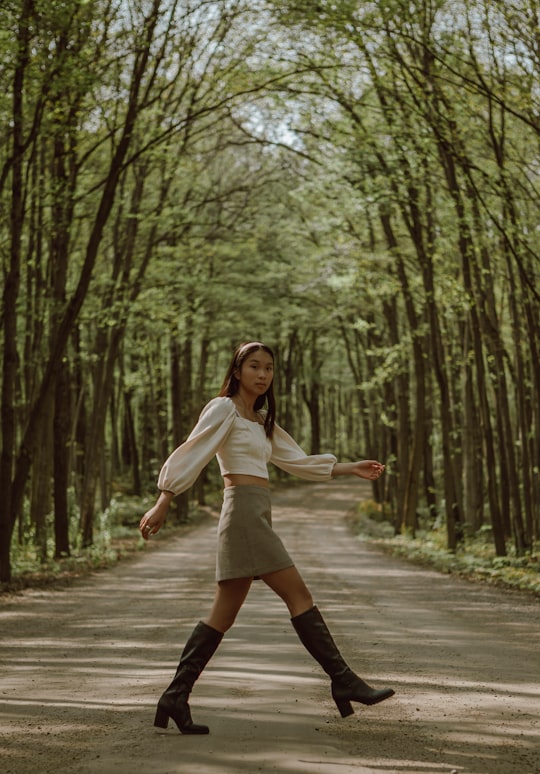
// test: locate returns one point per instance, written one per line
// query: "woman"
(244, 438)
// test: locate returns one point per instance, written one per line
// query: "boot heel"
(344, 706)
(162, 718)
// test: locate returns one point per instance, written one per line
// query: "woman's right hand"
(153, 520)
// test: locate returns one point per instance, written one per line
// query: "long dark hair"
(231, 383)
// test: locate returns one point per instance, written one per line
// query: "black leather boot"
(346, 686)
(173, 703)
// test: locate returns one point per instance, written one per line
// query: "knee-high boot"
(173, 703)
(346, 686)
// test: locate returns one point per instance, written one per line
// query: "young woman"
(245, 438)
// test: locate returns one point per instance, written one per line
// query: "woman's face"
(256, 372)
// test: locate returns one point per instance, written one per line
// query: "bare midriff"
(241, 479)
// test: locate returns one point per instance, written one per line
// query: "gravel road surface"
(82, 667)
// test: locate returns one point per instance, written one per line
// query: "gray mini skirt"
(247, 546)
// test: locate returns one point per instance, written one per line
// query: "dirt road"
(82, 668)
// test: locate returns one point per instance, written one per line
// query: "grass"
(116, 538)
(28, 571)
(475, 560)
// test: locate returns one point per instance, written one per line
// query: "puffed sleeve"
(287, 455)
(181, 469)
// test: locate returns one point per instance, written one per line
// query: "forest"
(354, 183)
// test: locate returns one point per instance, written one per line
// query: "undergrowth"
(475, 560)
(116, 537)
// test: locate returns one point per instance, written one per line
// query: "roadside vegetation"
(116, 539)
(475, 559)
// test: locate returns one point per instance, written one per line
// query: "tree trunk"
(311, 394)
(131, 451)
(61, 457)
(180, 380)
(473, 485)
(412, 444)
(14, 491)
(10, 504)
(40, 500)
(201, 381)
(476, 326)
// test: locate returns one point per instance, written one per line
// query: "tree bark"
(11, 504)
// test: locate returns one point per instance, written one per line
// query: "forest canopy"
(354, 183)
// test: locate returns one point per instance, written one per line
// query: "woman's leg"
(289, 585)
(346, 685)
(229, 598)
(314, 635)
(198, 650)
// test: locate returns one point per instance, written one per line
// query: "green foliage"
(475, 560)
(114, 540)
(350, 182)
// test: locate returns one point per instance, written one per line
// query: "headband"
(251, 344)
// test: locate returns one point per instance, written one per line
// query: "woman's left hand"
(370, 469)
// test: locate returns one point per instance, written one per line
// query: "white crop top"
(241, 446)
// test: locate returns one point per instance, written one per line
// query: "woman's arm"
(370, 469)
(182, 468)
(287, 455)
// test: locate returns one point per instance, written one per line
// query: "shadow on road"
(83, 667)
